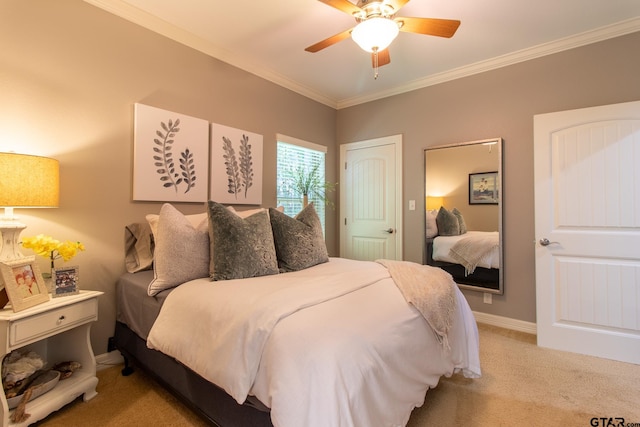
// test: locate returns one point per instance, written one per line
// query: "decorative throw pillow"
(432, 226)
(240, 247)
(241, 214)
(299, 241)
(461, 223)
(181, 252)
(448, 224)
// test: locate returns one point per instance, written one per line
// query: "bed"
(336, 343)
(479, 269)
(472, 257)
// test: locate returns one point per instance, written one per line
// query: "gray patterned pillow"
(240, 247)
(461, 223)
(299, 241)
(448, 224)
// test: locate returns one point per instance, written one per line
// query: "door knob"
(546, 242)
(388, 230)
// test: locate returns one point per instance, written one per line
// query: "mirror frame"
(498, 142)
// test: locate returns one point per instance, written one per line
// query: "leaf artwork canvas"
(236, 166)
(171, 154)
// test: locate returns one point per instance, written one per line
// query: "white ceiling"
(268, 38)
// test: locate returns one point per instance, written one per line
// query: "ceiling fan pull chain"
(375, 63)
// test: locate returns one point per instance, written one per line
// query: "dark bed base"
(488, 278)
(206, 399)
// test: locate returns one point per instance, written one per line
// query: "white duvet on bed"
(343, 349)
(442, 246)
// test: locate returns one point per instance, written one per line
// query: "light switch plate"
(488, 298)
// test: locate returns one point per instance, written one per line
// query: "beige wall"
(499, 103)
(69, 76)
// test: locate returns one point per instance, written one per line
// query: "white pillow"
(181, 252)
(432, 226)
(247, 213)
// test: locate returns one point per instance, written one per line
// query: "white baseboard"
(106, 360)
(506, 322)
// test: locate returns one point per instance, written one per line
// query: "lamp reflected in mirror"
(434, 202)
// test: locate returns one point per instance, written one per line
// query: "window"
(295, 156)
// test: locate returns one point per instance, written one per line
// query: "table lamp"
(25, 182)
(434, 202)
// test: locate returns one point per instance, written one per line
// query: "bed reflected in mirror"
(463, 213)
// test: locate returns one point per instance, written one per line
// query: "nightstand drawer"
(32, 328)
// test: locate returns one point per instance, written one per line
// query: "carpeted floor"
(522, 385)
(526, 385)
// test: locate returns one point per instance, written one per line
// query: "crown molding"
(582, 39)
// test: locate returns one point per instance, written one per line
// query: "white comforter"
(442, 247)
(332, 345)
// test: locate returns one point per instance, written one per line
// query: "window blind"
(291, 160)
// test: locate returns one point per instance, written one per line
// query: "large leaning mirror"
(463, 212)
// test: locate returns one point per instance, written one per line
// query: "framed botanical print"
(236, 166)
(171, 156)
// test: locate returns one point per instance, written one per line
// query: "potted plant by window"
(307, 182)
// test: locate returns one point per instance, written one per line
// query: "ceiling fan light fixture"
(375, 34)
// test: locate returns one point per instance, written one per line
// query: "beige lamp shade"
(29, 181)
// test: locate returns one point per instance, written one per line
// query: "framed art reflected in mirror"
(483, 188)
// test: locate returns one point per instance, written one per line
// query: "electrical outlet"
(488, 298)
(412, 205)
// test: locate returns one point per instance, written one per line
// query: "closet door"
(371, 199)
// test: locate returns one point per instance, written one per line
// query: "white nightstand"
(58, 330)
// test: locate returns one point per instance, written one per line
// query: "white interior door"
(371, 199)
(587, 218)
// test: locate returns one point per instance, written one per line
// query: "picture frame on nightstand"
(24, 283)
(65, 281)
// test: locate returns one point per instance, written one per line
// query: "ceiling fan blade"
(429, 26)
(343, 5)
(396, 4)
(329, 41)
(383, 58)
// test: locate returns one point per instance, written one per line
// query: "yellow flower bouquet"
(51, 248)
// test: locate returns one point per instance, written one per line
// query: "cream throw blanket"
(470, 250)
(431, 290)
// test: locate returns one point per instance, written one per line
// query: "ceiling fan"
(378, 26)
